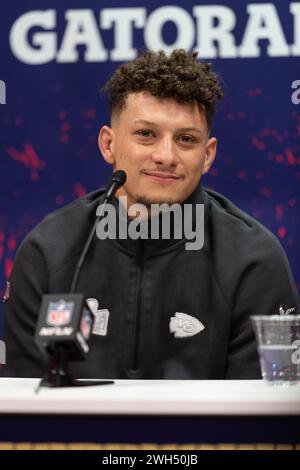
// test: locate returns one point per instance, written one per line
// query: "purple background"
(50, 124)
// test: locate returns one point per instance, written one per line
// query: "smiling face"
(162, 145)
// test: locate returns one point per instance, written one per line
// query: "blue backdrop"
(56, 55)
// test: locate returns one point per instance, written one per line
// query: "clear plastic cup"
(278, 340)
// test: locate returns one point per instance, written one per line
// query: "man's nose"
(165, 152)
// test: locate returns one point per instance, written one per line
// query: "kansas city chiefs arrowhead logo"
(183, 325)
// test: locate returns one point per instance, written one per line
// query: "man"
(170, 313)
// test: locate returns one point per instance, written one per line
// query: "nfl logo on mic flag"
(59, 314)
(65, 319)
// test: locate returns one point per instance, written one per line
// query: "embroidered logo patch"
(183, 325)
(101, 317)
(282, 311)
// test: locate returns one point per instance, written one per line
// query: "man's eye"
(186, 138)
(145, 133)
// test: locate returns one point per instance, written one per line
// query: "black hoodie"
(157, 293)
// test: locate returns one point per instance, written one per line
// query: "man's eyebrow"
(182, 129)
(188, 129)
(144, 121)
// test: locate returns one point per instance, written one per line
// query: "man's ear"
(106, 144)
(211, 150)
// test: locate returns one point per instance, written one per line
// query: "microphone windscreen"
(119, 177)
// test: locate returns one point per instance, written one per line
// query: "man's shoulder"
(61, 233)
(226, 216)
(235, 236)
(79, 210)
(247, 260)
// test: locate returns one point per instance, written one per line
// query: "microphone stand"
(86, 248)
(57, 374)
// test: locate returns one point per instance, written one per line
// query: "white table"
(151, 411)
(152, 397)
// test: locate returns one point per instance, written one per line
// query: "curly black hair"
(179, 76)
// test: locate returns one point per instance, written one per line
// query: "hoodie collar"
(180, 229)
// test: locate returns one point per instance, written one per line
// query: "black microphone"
(118, 179)
(65, 320)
